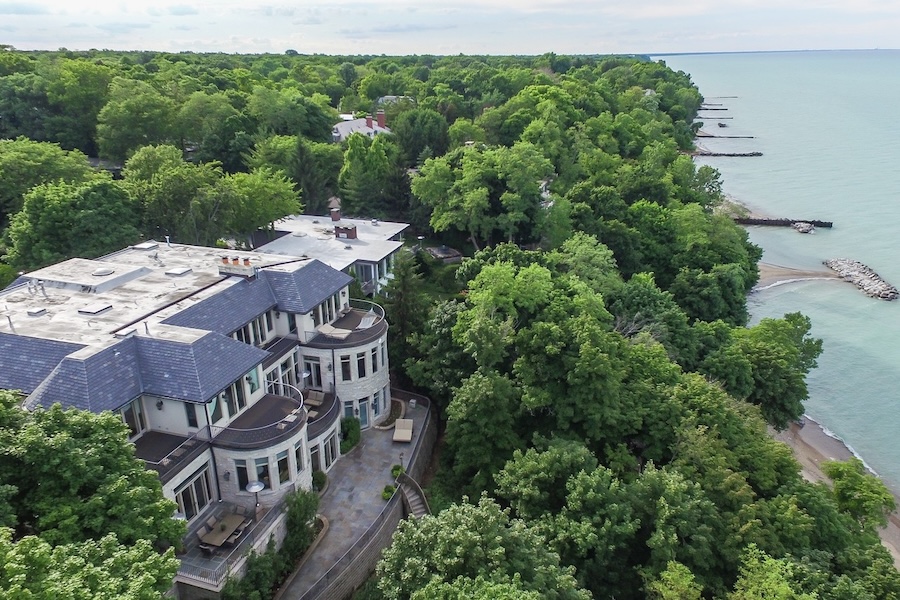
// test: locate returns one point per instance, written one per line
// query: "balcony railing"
(363, 321)
(214, 570)
(275, 417)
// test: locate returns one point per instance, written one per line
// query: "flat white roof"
(86, 301)
(313, 236)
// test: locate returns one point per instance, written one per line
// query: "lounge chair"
(403, 429)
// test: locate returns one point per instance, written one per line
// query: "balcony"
(211, 571)
(322, 417)
(166, 453)
(361, 323)
(272, 419)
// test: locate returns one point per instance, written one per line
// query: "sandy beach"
(812, 446)
(772, 275)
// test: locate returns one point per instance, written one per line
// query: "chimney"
(345, 232)
(379, 116)
(369, 121)
(335, 214)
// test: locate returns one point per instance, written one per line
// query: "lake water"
(831, 151)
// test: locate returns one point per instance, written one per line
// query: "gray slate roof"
(228, 310)
(194, 371)
(28, 361)
(304, 289)
(105, 380)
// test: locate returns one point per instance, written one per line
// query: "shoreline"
(772, 275)
(813, 444)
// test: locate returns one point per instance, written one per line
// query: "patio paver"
(353, 500)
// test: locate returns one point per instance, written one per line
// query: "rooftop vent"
(36, 312)
(95, 309)
(126, 333)
(375, 222)
(103, 272)
(299, 234)
(146, 246)
(348, 247)
(178, 271)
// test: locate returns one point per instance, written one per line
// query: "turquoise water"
(831, 150)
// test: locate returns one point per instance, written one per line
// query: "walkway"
(353, 500)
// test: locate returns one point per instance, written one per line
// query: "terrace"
(209, 570)
(272, 419)
(361, 323)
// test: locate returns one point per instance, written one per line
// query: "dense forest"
(604, 405)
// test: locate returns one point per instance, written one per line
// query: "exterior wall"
(364, 388)
(170, 486)
(272, 495)
(318, 445)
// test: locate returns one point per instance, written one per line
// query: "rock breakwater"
(863, 277)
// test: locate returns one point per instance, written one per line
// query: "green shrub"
(396, 470)
(388, 492)
(350, 433)
(319, 478)
(301, 513)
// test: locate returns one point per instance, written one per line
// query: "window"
(191, 412)
(272, 381)
(383, 354)
(254, 332)
(270, 321)
(348, 408)
(292, 322)
(374, 360)
(133, 415)
(345, 368)
(243, 478)
(376, 402)
(252, 378)
(330, 450)
(298, 455)
(193, 495)
(215, 410)
(361, 364)
(312, 366)
(230, 402)
(284, 467)
(262, 471)
(314, 461)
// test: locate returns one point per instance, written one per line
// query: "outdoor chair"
(403, 429)
(211, 522)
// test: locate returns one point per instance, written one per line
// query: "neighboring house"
(366, 126)
(211, 361)
(363, 248)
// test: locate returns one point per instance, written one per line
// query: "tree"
(675, 583)
(25, 164)
(860, 493)
(480, 588)
(76, 478)
(103, 569)
(136, 115)
(471, 541)
(256, 199)
(405, 306)
(418, 129)
(78, 89)
(765, 577)
(180, 199)
(63, 220)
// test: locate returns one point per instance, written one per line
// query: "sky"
(451, 26)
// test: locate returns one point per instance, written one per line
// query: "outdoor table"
(223, 530)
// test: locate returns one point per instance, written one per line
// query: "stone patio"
(352, 501)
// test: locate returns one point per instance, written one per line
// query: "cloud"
(21, 8)
(181, 10)
(411, 28)
(121, 27)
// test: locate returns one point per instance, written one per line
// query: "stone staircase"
(414, 496)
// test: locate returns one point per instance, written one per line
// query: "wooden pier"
(737, 154)
(781, 222)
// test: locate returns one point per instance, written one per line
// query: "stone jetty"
(863, 277)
